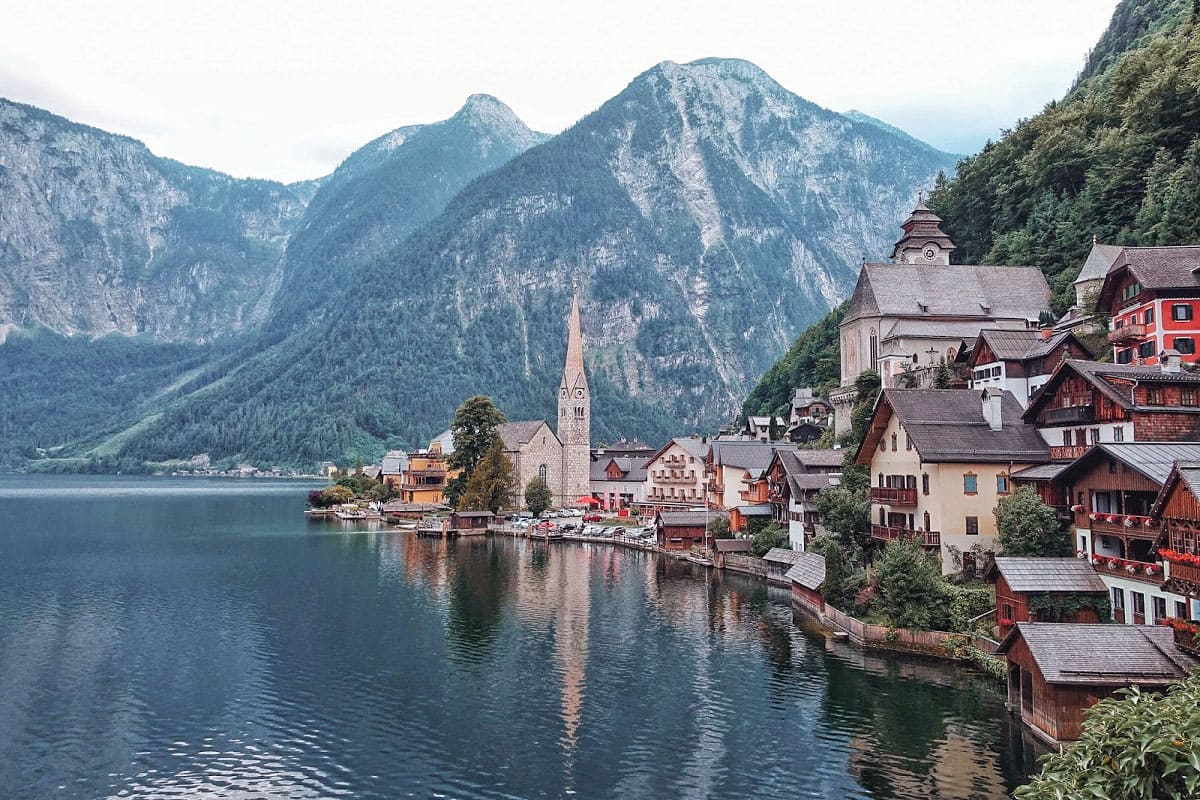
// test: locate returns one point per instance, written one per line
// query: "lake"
(188, 637)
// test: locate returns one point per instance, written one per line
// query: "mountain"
(1118, 158)
(708, 215)
(98, 235)
(386, 190)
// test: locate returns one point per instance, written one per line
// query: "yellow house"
(419, 477)
(940, 459)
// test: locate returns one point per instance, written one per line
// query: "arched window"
(874, 350)
(543, 471)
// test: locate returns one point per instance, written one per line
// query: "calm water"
(199, 638)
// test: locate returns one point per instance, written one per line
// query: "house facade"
(1020, 361)
(917, 311)
(1046, 590)
(683, 531)
(1153, 297)
(1085, 403)
(1177, 512)
(731, 466)
(794, 478)
(675, 474)
(940, 459)
(619, 481)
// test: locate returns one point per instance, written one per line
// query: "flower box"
(1151, 569)
(1131, 569)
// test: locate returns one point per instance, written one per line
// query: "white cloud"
(285, 89)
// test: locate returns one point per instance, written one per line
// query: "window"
(1146, 349)
(893, 442)
(1186, 345)
(925, 484)
(1118, 433)
(907, 441)
(1181, 312)
(1118, 325)
(1068, 438)
(1118, 599)
(1007, 611)
(1112, 466)
(882, 483)
(1124, 356)
(1139, 603)
(874, 349)
(1154, 395)
(1149, 316)
(1002, 484)
(1093, 436)
(972, 526)
(1159, 604)
(1131, 291)
(970, 483)
(1181, 609)
(543, 471)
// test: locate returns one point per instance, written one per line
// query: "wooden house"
(470, 521)
(723, 547)
(1153, 297)
(1019, 361)
(1085, 403)
(683, 531)
(1046, 590)
(779, 561)
(1177, 512)
(807, 577)
(1056, 672)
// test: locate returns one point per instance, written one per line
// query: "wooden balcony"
(1121, 567)
(893, 496)
(1128, 333)
(886, 533)
(1186, 640)
(1068, 452)
(1185, 573)
(1071, 415)
(667, 477)
(1137, 527)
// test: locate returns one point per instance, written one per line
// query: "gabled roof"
(1156, 268)
(1047, 574)
(1113, 380)
(516, 434)
(1101, 655)
(1152, 459)
(692, 445)
(808, 570)
(1098, 262)
(782, 555)
(676, 519)
(947, 425)
(632, 467)
(813, 481)
(817, 458)
(1183, 473)
(732, 545)
(755, 510)
(954, 290)
(1021, 345)
(1040, 472)
(394, 462)
(747, 455)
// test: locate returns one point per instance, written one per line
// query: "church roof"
(922, 226)
(574, 375)
(516, 434)
(930, 291)
(1098, 262)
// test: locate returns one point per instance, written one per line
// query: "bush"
(768, 537)
(1138, 746)
(968, 602)
(1029, 527)
(911, 590)
(336, 495)
(719, 529)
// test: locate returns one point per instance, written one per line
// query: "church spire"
(924, 241)
(573, 372)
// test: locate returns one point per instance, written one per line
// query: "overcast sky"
(287, 89)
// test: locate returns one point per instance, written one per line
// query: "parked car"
(591, 517)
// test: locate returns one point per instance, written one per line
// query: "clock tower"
(575, 415)
(923, 241)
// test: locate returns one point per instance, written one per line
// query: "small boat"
(702, 560)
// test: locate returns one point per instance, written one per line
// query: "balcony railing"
(1127, 333)
(894, 496)
(1187, 573)
(1144, 571)
(1121, 525)
(1070, 415)
(1068, 452)
(887, 532)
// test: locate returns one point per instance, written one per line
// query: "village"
(1045, 472)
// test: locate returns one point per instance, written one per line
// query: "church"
(560, 457)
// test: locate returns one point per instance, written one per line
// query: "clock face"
(579, 393)
(930, 253)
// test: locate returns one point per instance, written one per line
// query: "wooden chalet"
(794, 477)
(807, 577)
(1085, 403)
(683, 531)
(1056, 672)
(1046, 590)
(471, 520)
(1019, 361)
(1177, 512)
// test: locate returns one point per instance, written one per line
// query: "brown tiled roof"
(1102, 655)
(1021, 345)
(957, 290)
(634, 468)
(808, 570)
(947, 425)
(1048, 574)
(820, 458)
(1112, 380)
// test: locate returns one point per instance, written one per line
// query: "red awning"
(587, 500)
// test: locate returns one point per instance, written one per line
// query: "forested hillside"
(1118, 158)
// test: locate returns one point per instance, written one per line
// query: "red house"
(1046, 590)
(807, 576)
(1153, 295)
(683, 531)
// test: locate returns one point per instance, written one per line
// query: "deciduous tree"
(490, 485)
(1028, 527)
(474, 429)
(538, 496)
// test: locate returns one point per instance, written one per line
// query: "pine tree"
(490, 486)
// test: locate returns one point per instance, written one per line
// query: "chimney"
(1047, 332)
(991, 408)
(1168, 361)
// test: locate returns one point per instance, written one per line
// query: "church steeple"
(574, 376)
(924, 241)
(575, 414)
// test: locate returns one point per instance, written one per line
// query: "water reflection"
(177, 647)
